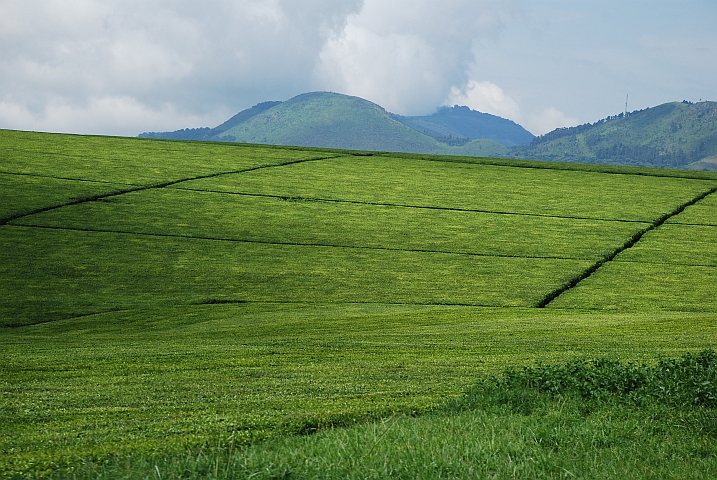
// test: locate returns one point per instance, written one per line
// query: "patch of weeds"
(689, 381)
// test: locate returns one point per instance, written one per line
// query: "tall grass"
(580, 419)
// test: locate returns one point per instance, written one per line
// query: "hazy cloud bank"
(123, 67)
(406, 55)
(87, 65)
(489, 97)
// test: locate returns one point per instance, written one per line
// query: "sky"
(122, 67)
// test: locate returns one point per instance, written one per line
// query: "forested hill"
(206, 133)
(457, 125)
(332, 120)
(674, 135)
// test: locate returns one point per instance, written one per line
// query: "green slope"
(331, 120)
(670, 135)
(205, 133)
(457, 125)
(163, 298)
(673, 135)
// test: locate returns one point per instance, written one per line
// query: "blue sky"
(583, 58)
(121, 67)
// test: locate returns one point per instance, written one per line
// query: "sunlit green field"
(159, 298)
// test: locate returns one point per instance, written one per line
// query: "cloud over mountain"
(65, 64)
(405, 55)
(125, 66)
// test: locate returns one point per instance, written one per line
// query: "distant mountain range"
(677, 135)
(459, 125)
(332, 120)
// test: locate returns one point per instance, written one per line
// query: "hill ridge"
(327, 119)
(458, 125)
(350, 122)
(673, 135)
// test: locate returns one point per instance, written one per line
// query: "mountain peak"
(461, 122)
(675, 134)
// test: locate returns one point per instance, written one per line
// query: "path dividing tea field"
(160, 297)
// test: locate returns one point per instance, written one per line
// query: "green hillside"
(206, 133)
(672, 135)
(226, 310)
(456, 125)
(328, 120)
(331, 120)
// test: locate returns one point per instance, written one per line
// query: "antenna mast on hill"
(626, 97)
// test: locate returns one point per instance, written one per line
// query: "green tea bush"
(584, 419)
(687, 381)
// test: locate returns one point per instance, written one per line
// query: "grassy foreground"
(175, 380)
(193, 310)
(599, 419)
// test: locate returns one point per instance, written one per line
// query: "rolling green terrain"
(323, 119)
(458, 124)
(328, 120)
(206, 133)
(341, 121)
(671, 135)
(191, 309)
(331, 120)
(677, 134)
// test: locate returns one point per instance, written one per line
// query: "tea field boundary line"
(675, 264)
(400, 205)
(686, 224)
(510, 162)
(631, 242)
(221, 302)
(212, 301)
(93, 198)
(71, 179)
(293, 244)
(554, 165)
(73, 317)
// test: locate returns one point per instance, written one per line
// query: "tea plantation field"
(160, 299)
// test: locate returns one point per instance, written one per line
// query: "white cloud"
(547, 120)
(127, 66)
(116, 115)
(488, 97)
(182, 63)
(396, 71)
(169, 61)
(485, 97)
(405, 55)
